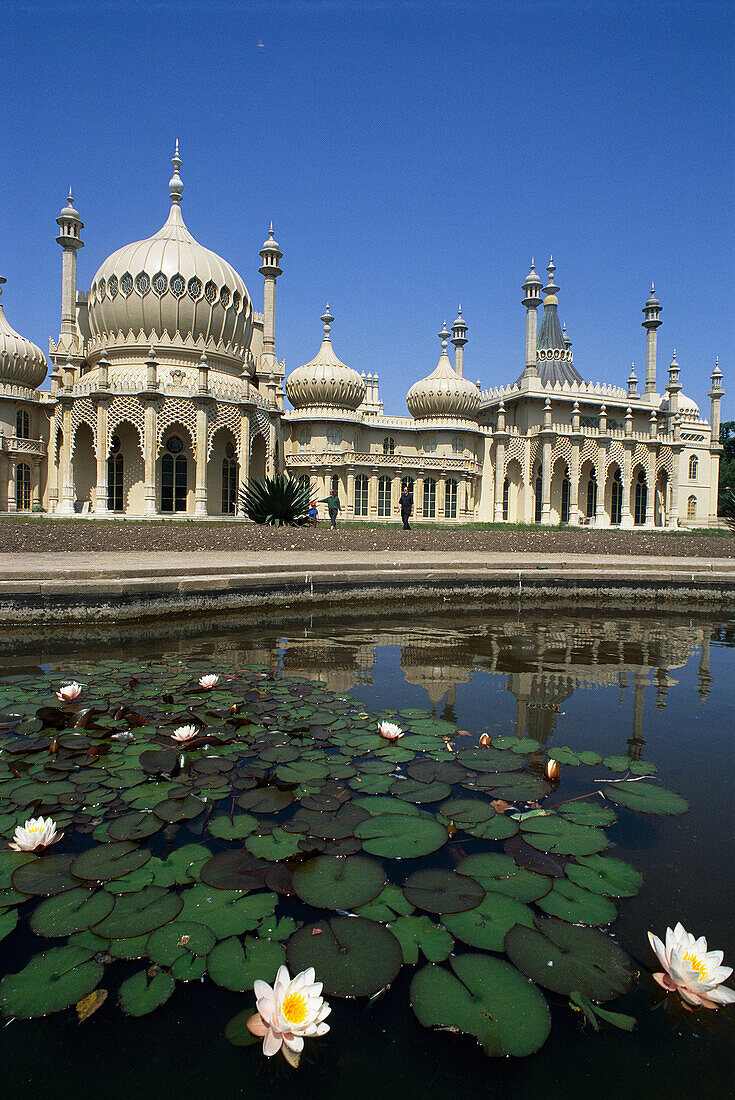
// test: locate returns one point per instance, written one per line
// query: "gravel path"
(18, 535)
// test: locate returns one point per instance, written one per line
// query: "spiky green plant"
(727, 507)
(280, 501)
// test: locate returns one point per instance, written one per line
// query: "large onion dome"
(444, 395)
(325, 381)
(21, 362)
(170, 283)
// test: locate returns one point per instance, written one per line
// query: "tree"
(727, 467)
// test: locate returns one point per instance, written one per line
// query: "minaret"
(532, 300)
(715, 395)
(632, 382)
(674, 386)
(567, 341)
(70, 226)
(270, 271)
(650, 323)
(459, 339)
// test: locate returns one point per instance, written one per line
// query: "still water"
(657, 688)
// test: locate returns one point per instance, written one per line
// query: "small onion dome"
(686, 406)
(444, 394)
(68, 211)
(532, 278)
(171, 283)
(653, 300)
(326, 380)
(270, 245)
(21, 362)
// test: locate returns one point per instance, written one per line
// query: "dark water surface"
(659, 689)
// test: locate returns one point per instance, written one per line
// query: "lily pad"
(413, 790)
(135, 826)
(587, 813)
(179, 938)
(175, 811)
(140, 994)
(50, 982)
(386, 804)
(330, 883)
(533, 860)
(109, 861)
(577, 905)
(134, 914)
(562, 837)
(646, 798)
(226, 912)
(487, 998)
(486, 926)
(477, 818)
(419, 933)
(502, 874)
(510, 785)
(47, 876)
(232, 828)
(398, 836)
(389, 904)
(234, 871)
(71, 912)
(273, 846)
(265, 800)
(605, 875)
(489, 759)
(441, 891)
(237, 1032)
(353, 957)
(234, 967)
(566, 958)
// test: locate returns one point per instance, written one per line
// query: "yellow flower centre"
(696, 964)
(294, 1008)
(35, 829)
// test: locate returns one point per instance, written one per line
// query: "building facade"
(167, 397)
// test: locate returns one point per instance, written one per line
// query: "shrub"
(280, 501)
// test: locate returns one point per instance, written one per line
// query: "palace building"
(167, 396)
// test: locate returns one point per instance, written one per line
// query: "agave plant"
(727, 506)
(280, 501)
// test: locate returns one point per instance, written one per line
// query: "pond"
(189, 868)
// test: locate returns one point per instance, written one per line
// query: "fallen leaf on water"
(90, 1004)
(183, 941)
(316, 931)
(500, 805)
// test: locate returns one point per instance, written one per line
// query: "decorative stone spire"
(567, 341)
(70, 238)
(176, 187)
(551, 288)
(270, 269)
(459, 339)
(651, 321)
(327, 319)
(632, 382)
(531, 300)
(715, 395)
(443, 336)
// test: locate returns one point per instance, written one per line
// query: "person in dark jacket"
(406, 505)
(333, 507)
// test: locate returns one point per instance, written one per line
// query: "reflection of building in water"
(544, 665)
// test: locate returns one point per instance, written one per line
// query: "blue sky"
(412, 156)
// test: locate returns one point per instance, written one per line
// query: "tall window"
(384, 496)
(407, 483)
(173, 476)
(334, 484)
(361, 495)
(115, 495)
(539, 495)
(693, 464)
(22, 424)
(457, 447)
(641, 499)
(229, 481)
(430, 446)
(692, 508)
(429, 498)
(334, 440)
(566, 486)
(23, 487)
(304, 440)
(389, 445)
(450, 499)
(506, 498)
(591, 495)
(616, 503)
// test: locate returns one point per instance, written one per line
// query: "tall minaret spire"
(532, 300)
(270, 270)
(70, 227)
(176, 186)
(459, 339)
(650, 323)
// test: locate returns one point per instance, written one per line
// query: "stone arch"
(176, 428)
(258, 457)
(222, 472)
(614, 494)
(124, 423)
(638, 493)
(513, 485)
(131, 449)
(560, 491)
(662, 502)
(84, 465)
(588, 490)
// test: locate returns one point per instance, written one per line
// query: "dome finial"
(327, 318)
(71, 197)
(2, 280)
(444, 336)
(176, 187)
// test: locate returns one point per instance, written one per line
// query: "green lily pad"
(353, 957)
(646, 798)
(71, 912)
(234, 871)
(232, 828)
(389, 904)
(587, 813)
(135, 881)
(441, 891)
(135, 826)
(109, 861)
(487, 925)
(234, 967)
(265, 800)
(413, 790)
(566, 958)
(46, 875)
(420, 933)
(134, 914)
(556, 834)
(577, 905)
(327, 882)
(10, 861)
(617, 763)
(605, 875)
(477, 818)
(273, 846)
(502, 874)
(487, 998)
(133, 947)
(179, 938)
(140, 994)
(399, 836)
(237, 1032)
(489, 759)
(380, 804)
(509, 785)
(185, 863)
(174, 811)
(50, 982)
(226, 912)
(8, 922)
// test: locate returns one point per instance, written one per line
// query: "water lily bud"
(552, 770)
(485, 739)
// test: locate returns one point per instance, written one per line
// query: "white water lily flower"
(208, 682)
(691, 970)
(292, 1011)
(38, 832)
(184, 733)
(389, 731)
(68, 692)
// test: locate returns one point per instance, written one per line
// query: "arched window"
(506, 499)
(430, 446)
(693, 464)
(566, 486)
(389, 445)
(115, 494)
(334, 440)
(641, 499)
(692, 507)
(22, 424)
(539, 487)
(407, 483)
(334, 484)
(229, 481)
(361, 495)
(23, 487)
(450, 498)
(616, 502)
(591, 495)
(458, 446)
(384, 495)
(304, 442)
(173, 476)
(429, 510)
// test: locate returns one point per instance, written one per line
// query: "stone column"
(546, 482)
(270, 468)
(150, 449)
(35, 483)
(102, 490)
(601, 471)
(244, 456)
(395, 493)
(651, 493)
(674, 511)
(441, 496)
(350, 502)
(626, 519)
(418, 496)
(373, 495)
(200, 491)
(66, 506)
(499, 479)
(12, 507)
(574, 486)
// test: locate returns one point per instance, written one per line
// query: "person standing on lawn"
(406, 506)
(333, 507)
